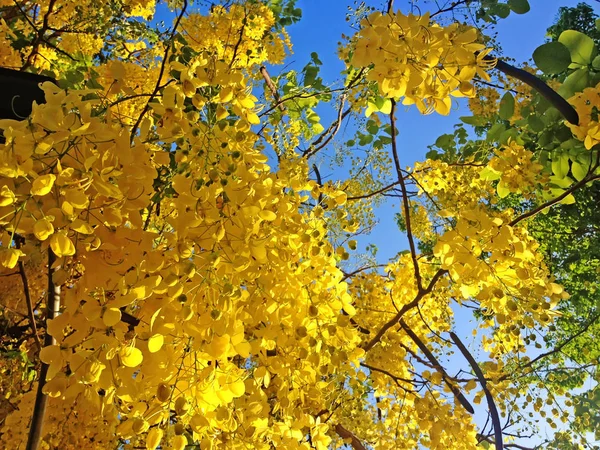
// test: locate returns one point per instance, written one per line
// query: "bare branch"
(406, 206)
(433, 360)
(407, 307)
(488, 395)
(161, 72)
(554, 201)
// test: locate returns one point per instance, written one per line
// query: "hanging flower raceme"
(420, 62)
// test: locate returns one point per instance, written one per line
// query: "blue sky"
(320, 30)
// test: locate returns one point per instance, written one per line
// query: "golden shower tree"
(177, 274)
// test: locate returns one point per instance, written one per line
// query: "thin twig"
(40, 36)
(433, 360)
(407, 307)
(557, 348)
(549, 203)
(327, 135)
(158, 86)
(488, 395)
(451, 7)
(372, 194)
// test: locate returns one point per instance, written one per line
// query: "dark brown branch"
(319, 182)
(345, 434)
(390, 6)
(407, 307)
(272, 88)
(433, 360)
(563, 106)
(40, 36)
(362, 269)
(327, 135)
(27, 293)
(395, 378)
(488, 395)
(405, 203)
(549, 203)
(41, 399)
(378, 191)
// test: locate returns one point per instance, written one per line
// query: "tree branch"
(563, 106)
(41, 399)
(549, 203)
(30, 313)
(406, 205)
(407, 307)
(488, 395)
(345, 434)
(433, 360)
(161, 72)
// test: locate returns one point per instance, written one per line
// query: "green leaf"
(473, 120)
(314, 56)
(507, 106)
(560, 166)
(576, 82)
(581, 46)
(535, 123)
(519, 6)
(310, 75)
(500, 9)
(495, 132)
(372, 127)
(553, 57)
(596, 62)
(503, 191)
(579, 170)
(598, 24)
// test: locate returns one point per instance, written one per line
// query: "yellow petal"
(131, 356)
(43, 229)
(155, 343)
(9, 257)
(153, 438)
(43, 185)
(111, 317)
(61, 245)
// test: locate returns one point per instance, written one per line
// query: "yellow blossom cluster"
(516, 169)
(167, 294)
(498, 265)
(239, 35)
(454, 186)
(485, 103)
(60, 31)
(419, 61)
(588, 129)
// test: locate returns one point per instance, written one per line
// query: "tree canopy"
(182, 231)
